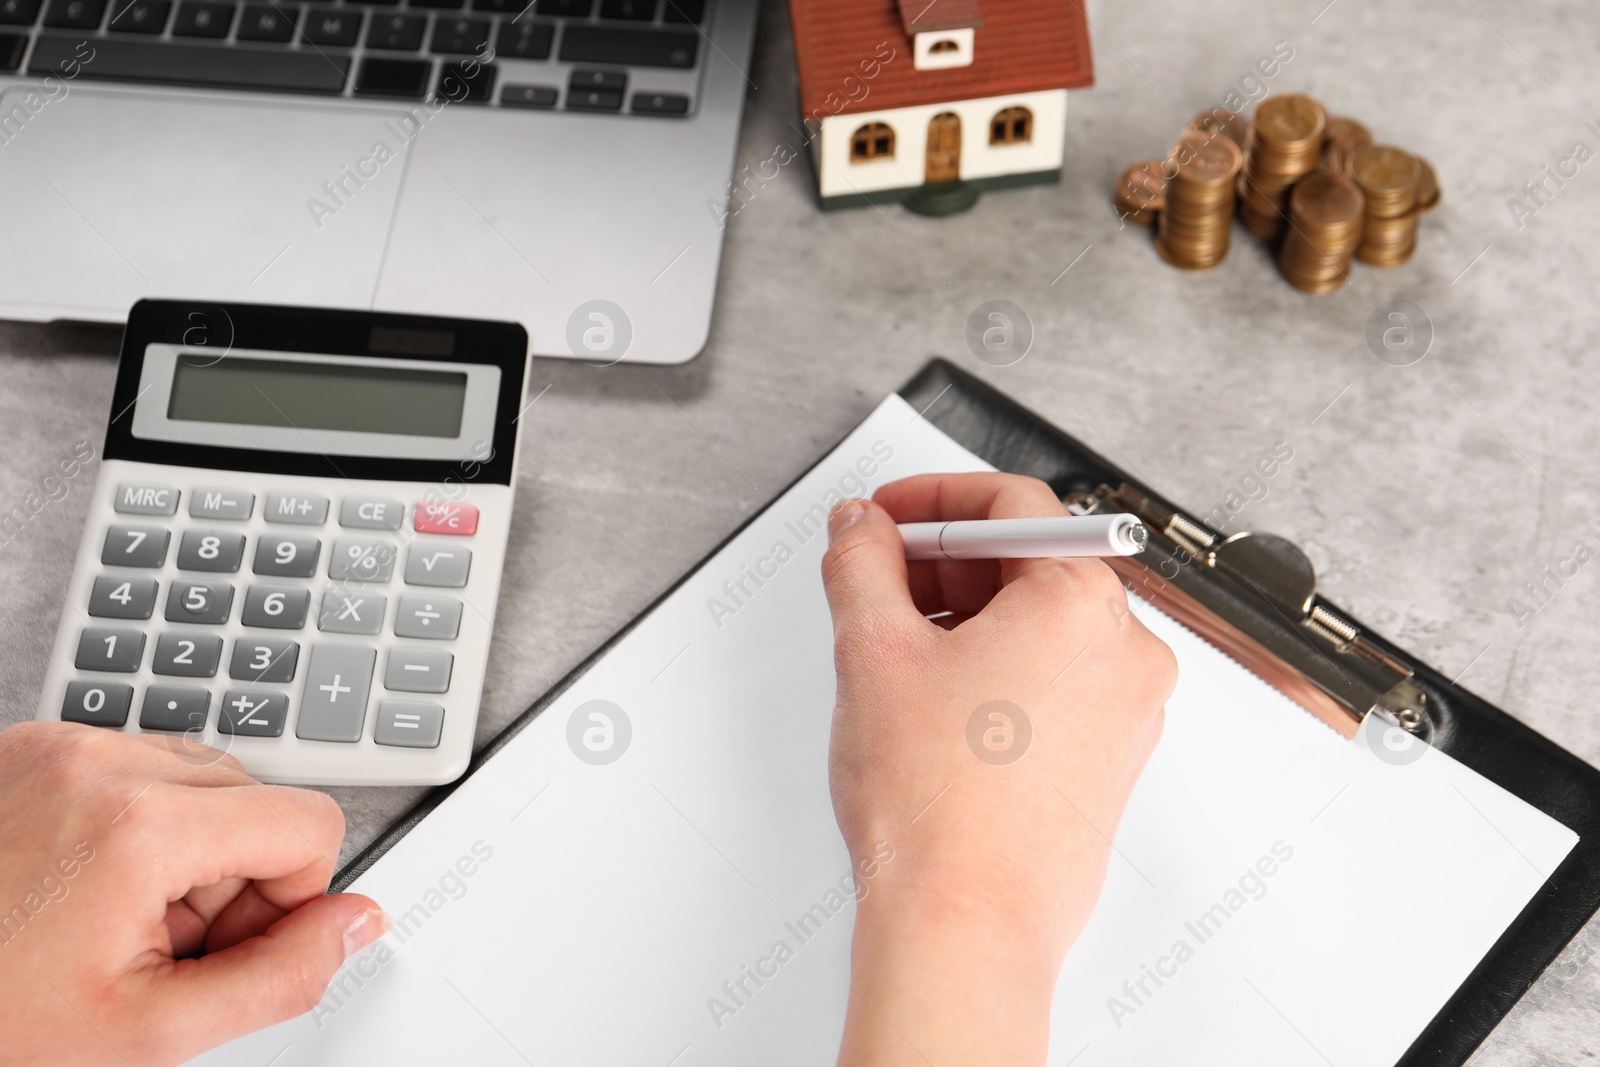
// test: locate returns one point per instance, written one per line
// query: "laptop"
(561, 163)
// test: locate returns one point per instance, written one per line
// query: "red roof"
(1023, 46)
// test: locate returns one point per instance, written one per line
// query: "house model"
(931, 101)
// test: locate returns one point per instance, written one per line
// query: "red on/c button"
(459, 519)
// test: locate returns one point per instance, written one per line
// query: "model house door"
(944, 148)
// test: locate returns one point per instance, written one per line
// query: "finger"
(192, 762)
(283, 838)
(864, 571)
(267, 979)
(967, 585)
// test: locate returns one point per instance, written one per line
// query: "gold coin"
(1347, 134)
(1290, 118)
(1427, 185)
(1142, 186)
(1219, 120)
(1384, 170)
(1206, 159)
(1329, 200)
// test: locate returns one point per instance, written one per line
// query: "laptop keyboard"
(633, 56)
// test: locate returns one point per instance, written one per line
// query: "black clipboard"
(1257, 592)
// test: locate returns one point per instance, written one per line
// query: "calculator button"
(438, 617)
(433, 565)
(346, 611)
(189, 655)
(101, 649)
(418, 670)
(97, 703)
(408, 724)
(362, 513)
(116, 597)
(361, 561)
(210, 550)
(334, 705)
(253, 713)
(287, 557)
(135, 546)
(445, 518)
(303, 509)
(207, 602)
(221, 504)
(263, 659)
(146, 500)
(178, 708)
(279, 607)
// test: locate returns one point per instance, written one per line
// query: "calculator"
(295, 540)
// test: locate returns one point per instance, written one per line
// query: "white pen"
(1114, 534)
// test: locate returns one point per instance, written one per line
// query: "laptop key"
(467, 83)
(594, 100)
(328, 26)
(273, 23)
(660, 104)
(11, 48)
(203, 18)
(636, 10)
(394, 77)
(524, 40)
(19, 12)
(139, 16)
(599, 79)
(398, 33)
(502, 7)
(196, 64)
(629, 47)
(528, 96)
(447, 5)
(690, 11)
(455, 36)
(74, 15)
(572, 9)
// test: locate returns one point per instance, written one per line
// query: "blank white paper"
(1279, 895)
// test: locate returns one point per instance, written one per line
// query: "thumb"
(275, 976)
(864, 571)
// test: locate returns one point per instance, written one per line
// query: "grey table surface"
(1427, 494)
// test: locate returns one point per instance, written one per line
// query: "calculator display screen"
(319, 396)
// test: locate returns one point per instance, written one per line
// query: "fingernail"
(845, 515)
(364, 929)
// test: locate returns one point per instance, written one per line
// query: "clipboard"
(1253, 596)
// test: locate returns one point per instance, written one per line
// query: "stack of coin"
(1285, 143)
(1427, 186)
(1219, 120)
(1388, 177)
(1326, 213)
(1343, 138)
(1141, 190)
(1192, 231)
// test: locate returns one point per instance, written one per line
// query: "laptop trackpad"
(114, 196)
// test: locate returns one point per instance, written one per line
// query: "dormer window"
(941, 31)
(939, 49)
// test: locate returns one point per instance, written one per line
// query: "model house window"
(943, 47)
(1014, 125)
(875, 140)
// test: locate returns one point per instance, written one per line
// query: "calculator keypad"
(327, 684)
(276, 607)
(187, 655)
(106, 649)
(176, 708)
(135, 546)
(116, 597)
(202, 602)
(211, 550)
(287, 557)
